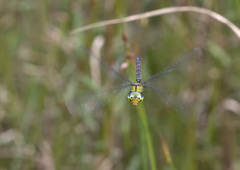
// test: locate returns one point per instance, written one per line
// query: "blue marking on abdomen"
(138, 71)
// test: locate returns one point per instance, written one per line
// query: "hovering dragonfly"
(135, 95)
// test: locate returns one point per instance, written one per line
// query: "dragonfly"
(135, 95)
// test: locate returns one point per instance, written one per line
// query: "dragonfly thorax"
(136, 94)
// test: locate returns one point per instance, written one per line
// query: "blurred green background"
(40, 61)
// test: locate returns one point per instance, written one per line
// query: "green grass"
(39, 60)
(147, 136)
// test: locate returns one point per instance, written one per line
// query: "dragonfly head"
(135, 97)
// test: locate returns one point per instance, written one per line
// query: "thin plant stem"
(159, 12)
(143, 144)
(144, 120)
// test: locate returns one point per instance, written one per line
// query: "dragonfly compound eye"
(135, 97)
(140, 99)
(130, 98)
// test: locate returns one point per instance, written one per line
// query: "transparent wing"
(170, 99)
(92, 54)
(84, 95)
(92, 103)
(175, 83)
(180, 64)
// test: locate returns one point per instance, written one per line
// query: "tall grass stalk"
(147, 135)
(143, 144)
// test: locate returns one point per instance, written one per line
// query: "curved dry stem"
(163, 11)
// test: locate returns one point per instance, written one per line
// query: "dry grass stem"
(163, 11)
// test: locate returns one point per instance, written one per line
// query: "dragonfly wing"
(79, 105)
(171, 100)
(78, 102)
(95, 56)
(192, 56)
(176, 81)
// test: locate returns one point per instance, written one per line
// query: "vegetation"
(42, 64)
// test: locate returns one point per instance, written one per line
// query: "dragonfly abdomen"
(138, 70)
